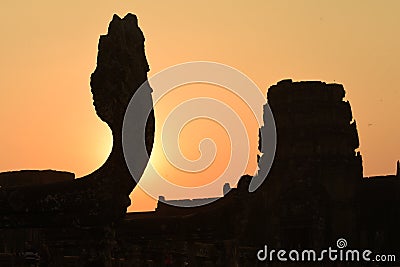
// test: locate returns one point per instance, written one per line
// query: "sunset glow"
(48, 52)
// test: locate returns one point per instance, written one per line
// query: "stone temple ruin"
(314, 194)
(102, 196)
(99, 200)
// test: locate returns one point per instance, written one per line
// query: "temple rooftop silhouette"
(314, 194)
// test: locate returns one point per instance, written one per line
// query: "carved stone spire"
(121, 68)
(101, 197)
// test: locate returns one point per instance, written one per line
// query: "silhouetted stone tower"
(304, 197)
(102, 197)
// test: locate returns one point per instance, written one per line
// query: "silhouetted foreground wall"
(33, 177)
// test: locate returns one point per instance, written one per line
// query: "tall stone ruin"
(304, 196)
(102, 197)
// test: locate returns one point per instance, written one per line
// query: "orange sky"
(48, 51)
(201, 163)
